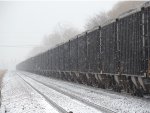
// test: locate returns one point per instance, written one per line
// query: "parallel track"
(57, 107)
(93, 105)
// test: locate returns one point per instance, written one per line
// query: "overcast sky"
(24, 24)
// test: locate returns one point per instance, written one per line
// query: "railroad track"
(52, 103)
(84, 101)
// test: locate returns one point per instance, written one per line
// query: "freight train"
(113, 56)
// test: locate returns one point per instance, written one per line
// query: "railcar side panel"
(109, 48)
(93, 42)
(66, 56)
(130, 36)
(82, 58)
(61, 57)
(147, 37)
(74, 55)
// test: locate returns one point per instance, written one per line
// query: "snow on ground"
(66, 102)
(114, 101)
(18, 97)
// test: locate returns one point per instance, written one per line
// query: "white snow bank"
(114, 101)
(18, 97)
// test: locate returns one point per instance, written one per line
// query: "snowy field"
(30, 93)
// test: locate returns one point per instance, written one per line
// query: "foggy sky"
(24, 24)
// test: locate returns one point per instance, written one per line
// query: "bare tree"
(117, 10)
(97, 20)
(62, 33)
(124, 6)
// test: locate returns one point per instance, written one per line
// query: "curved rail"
(98, 107)
(57, 107)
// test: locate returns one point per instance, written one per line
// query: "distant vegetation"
(64, 32)
(117, 10)
(61, 34)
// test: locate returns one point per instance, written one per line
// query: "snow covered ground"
(114, 101)
(19, 95)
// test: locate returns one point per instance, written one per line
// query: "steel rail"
(84, 101)
(57, 107)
